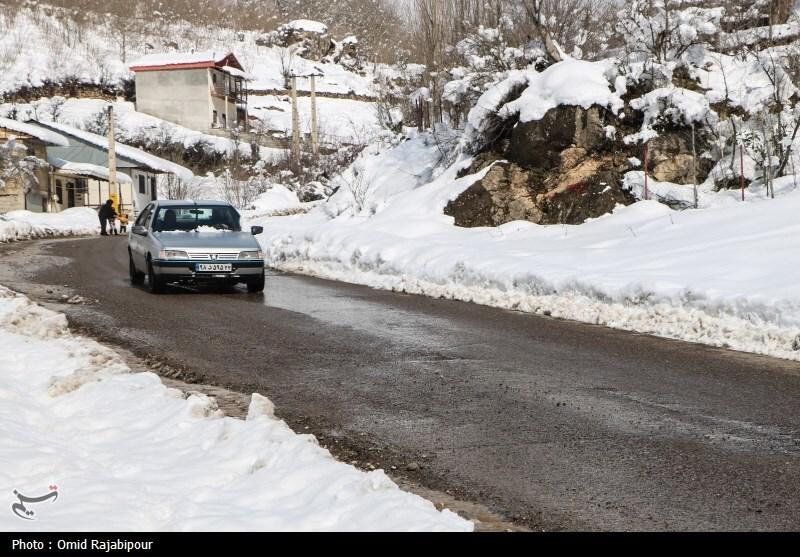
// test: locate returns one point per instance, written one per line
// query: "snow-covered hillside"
(39, 47)
(132, 126)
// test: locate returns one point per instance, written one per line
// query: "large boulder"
(311, 37)
(501, 196)
(670, 157)
(538, 144)
(582, 186)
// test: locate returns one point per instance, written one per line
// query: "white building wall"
(178, 96)
(144, 189)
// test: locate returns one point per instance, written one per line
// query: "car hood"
(212, 240)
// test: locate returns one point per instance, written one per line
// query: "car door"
(150, 243)
(138, 242)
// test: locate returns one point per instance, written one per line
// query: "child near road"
(123, 223)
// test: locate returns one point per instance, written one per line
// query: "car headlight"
(251, 254)
(172, 254)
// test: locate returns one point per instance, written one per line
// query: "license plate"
(215, 267)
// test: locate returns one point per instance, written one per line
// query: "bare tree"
(173, 187)
(356, 182)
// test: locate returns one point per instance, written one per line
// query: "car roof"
(184, 202)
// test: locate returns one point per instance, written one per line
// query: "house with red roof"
(203, 91)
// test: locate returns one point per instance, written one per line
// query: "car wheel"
(137, 278)
(154, 282)
(256, 285)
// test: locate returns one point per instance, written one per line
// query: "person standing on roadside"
(105, 214)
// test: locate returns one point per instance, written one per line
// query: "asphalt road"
(557, 424)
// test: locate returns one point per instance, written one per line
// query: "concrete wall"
(219, 104)
(178, 96)
(12, 197)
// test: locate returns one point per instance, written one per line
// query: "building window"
(214, 119)
(142, 185)
(153, 189)
(224, 121)
(213, 78)
(59, 192)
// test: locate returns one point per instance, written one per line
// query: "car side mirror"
(139, 229)
(256, 230)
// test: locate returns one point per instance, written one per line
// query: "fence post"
(741, 169)
(645, 172)
(694, 168)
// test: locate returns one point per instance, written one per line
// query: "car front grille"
(222, 256)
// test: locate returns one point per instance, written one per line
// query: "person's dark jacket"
(106, 212)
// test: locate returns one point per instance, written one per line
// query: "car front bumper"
(187, 270)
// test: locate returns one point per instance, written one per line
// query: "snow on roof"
(236, 72)
(86, 169)
(307, 25)
(145, 159)
(570, 82)
(49, 137)
(204, 59)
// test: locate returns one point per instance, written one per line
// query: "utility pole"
(314, 136)
(112, 162)
(295, 123)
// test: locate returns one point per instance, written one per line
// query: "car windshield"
(193, 217)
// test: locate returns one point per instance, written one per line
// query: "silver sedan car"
(193, 242)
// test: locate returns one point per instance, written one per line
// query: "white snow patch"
(25, 225)
(571, 82)
(134, 455)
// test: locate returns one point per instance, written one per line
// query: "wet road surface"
(554, 424)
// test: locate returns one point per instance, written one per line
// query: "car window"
(142, 219)
(190, 217)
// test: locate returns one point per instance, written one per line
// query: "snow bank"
(25, 225)
(126, 453)
(724, 276)
(707, 198)
(277, 198)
